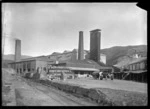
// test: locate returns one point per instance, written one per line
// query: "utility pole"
(3, 30)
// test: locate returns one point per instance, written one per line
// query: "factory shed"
(81, 66)
(136, 70)
(116, 69)
(138, 65)
(30, 64)
(138, 60)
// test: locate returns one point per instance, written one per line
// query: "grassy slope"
(118, 52)
(11, 57)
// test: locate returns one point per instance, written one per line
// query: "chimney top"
(96, 30)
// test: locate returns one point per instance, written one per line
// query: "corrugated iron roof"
(138, 71)
(39, 58)
(79, 64)
(86, 63)
(138, 60)
(131, 61)
(83, 69)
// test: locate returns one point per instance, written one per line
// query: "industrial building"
(73, 55)
(136, 70)
(30, 64)
(81, 54)
(138, 65)
(78, 61)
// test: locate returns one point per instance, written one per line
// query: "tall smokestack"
(18, 50)
(80, 47)
(95, 37)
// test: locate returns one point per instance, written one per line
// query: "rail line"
(67, 96)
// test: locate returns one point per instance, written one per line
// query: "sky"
(44, 28)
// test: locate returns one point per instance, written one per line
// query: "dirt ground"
(18, 91)
(125, 98)
(121, 92)
(112, 84)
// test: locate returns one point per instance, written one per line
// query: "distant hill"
(5, 63)
(123, 53)
(114, 55)
(11, 57)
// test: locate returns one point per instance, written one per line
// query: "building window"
(133, 66)
(44, 68)
(138, 66)
(38, 69)
(146, 65)
(28, 70)
(68, 56)
(128, 68)
(142, 65)
(28, 65)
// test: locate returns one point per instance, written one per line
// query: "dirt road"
(18, 91)
(47, 96)
(28, 93)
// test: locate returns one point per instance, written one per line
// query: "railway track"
(64, 99)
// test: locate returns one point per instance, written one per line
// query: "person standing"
(100, 74)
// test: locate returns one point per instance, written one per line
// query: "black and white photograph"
(74, 54)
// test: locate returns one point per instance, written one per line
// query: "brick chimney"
(18, 50)
(80, 47)
(95, 43)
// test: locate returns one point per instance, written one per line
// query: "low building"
(137, 65)
(43, 62)
(85, 66)
(136, 70)
(30, 64)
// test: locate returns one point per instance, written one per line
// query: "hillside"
(123, 53)
(5, 63)
(114, 55)
(11, 57)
